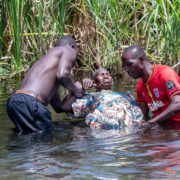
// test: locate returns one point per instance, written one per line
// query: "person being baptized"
(103, 108)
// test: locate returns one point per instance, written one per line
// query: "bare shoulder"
(62, 49)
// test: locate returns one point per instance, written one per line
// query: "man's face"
(103, 80)
(132, 66)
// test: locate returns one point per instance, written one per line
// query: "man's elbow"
(175, 107)
(62, 76)
(175, 103)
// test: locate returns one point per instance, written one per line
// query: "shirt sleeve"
(82, 106)
(140, 98)
(171, 81)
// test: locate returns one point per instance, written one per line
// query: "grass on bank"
(102, 29)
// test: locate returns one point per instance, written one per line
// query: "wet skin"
(51, 71)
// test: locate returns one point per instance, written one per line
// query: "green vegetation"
(102, 28)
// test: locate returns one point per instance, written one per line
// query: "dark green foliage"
(103, 29)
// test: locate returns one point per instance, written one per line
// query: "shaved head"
(134, 52)
(135, 63)
(66, 40)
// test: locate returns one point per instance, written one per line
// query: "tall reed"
(103, 29)
(117, 24)
(166, 18)
(2, 27)
(41, 7)
(16, 12)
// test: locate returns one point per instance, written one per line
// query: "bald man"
(27, 106)
(158, 89)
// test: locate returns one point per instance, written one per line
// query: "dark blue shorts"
(28, 114)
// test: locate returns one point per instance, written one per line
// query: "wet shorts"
(29, 114)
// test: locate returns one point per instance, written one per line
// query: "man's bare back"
(47, 73)
(27, 107)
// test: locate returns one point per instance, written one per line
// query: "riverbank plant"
(102, 29)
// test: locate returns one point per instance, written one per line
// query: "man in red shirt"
(158, 90)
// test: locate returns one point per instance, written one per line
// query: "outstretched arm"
(170, 111)
(66, 104)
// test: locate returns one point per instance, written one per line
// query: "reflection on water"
(76, 152)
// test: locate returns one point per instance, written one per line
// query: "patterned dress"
(107, 109)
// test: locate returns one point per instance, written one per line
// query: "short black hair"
(66, 40)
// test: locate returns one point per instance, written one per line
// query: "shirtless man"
(158, 89)
(27, 106)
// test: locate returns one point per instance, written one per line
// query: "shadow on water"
(77, 152)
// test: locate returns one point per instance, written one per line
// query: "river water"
(77, 152)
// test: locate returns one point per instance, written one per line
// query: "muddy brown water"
(77, 152)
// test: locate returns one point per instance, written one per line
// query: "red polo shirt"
(161, 86)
